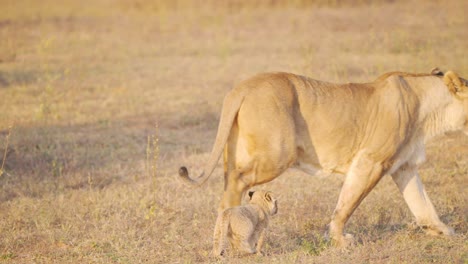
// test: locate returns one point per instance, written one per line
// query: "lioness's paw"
(438, 230)
(344, 241)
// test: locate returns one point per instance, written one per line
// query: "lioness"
(275, 121)
(245, 226)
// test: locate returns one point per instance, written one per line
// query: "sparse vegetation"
(5, 151)
(90, 179)
(152, 156)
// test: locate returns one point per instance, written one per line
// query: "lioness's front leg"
(410, 185)
(362, 176)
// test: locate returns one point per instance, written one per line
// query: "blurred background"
(103, 100)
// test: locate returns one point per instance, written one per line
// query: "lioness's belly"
(316, 171)
(310, 163)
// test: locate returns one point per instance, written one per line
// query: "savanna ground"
(102, 101)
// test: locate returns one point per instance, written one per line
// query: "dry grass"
(90, 179)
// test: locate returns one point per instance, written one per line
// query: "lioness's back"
(277, 105)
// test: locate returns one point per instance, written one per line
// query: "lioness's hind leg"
(262, 142)
(232, 194)
(408, 181)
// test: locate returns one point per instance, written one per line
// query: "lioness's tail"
(231, 105)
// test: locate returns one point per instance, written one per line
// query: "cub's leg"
(261, 237)
(216, 237)
(409, 182)
(247, 247)
(220, 236)
(362, 176)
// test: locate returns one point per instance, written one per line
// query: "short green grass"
(103, 101)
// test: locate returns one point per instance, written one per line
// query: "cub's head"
(264, 199)
(459, 89)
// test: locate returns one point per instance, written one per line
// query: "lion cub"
(244, 225)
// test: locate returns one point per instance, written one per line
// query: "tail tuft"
(184, 176)
(183, 172)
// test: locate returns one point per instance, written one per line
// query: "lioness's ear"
(436, 71)
(268, 196)
(464, 93)
(250, 194)
(455, 85)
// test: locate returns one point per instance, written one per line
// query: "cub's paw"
(218, 254)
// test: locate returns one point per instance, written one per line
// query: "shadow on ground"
(58, 157)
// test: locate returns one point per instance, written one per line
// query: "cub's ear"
(268, 196)
(250, 194)
(437, 72)
(455, 85)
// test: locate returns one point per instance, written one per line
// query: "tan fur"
(275, 121)
(244, 226)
